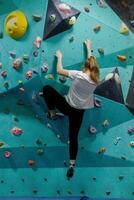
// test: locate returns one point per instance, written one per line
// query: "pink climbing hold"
(37, 42)
(92, 129)
(4, 74)
(7, 154)
(28, 75)
(16, 131)
(17, 64)
(64, 8)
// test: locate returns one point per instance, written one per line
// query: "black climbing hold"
(12, 191)
(65, 17)
(45, 179)
(2, 181)
(23, 180)
(58, 192)
(121, 177)
(82, 192)
(1, 34)
(38, 141)
(84, 198)
(35, 191)
(130, 96)
(94, 178)
(108, 193)
(111, 88)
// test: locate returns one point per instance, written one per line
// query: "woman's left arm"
(60, 69)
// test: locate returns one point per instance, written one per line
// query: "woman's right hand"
(87, 43)
(58, 54)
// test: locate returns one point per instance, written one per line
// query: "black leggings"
(54, 100)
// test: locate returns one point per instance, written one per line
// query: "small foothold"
(97, 28)
(16, 131)
(40, 152)
(87, 9)
(35, 53)
(102, 150)
(108, 193)
(22, 89)
(1, 34)
(82, 192)
(49, 126)
(52, 18)
(45, 179)
(131, 143)
(7, 154)
(101, 3)
(62, 79)
(101, 51)
(26, 59)
(4, 74)
(132, 193)
(1, 144)
(28, 75)
(6, 84)
(58, 136)
(58, 192)
(71, 38)
(35, 191)
(2, 181)
(12, 191)
(17, 64)
(121, 58)
(0, 65)
(38, 141)
(121, 177)
(12, 54)
(37, 42)
(92, 129)
(69, 191)
(124, 29)
(105, 123)
(31, 163)
(35, 71)
(50, 76)
(65, 163)
(116, 141)
(123, 157)
(44, 68)
(36, 18)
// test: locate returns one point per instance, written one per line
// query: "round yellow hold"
(16, 24)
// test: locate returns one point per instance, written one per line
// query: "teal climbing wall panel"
(98, 176)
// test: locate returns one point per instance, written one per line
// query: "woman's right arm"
(88, 48)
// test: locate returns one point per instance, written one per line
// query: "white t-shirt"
(81, 92)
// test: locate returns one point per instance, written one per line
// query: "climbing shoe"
(70, 172)
(51, 115)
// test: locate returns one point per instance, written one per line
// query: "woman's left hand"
(58, 54)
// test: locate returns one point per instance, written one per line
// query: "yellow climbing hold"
(16, 24)
(121, 58)
(124, 29)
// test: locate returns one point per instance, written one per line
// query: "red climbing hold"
(16, 131)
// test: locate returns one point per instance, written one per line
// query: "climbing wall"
(29, 156)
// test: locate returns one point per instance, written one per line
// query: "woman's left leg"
(75, 121)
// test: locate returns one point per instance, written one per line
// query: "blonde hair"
(91, 65)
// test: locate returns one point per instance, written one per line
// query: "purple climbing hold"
(35, 53)
(92, 129)
(4, 74)
(131, 130)
(44, 68)
(97, 103)
(12, 54)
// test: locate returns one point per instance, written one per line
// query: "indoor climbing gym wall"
(34, 149)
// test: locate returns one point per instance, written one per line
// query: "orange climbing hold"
(31, 163)
(122, 58)
(102, 150)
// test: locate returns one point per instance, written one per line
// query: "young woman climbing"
(79, 98)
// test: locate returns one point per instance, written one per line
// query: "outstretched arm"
(88, 48)
(60, 69)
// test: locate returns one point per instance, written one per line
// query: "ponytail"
(92, 66)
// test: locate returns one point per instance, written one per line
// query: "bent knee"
(47, 89)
